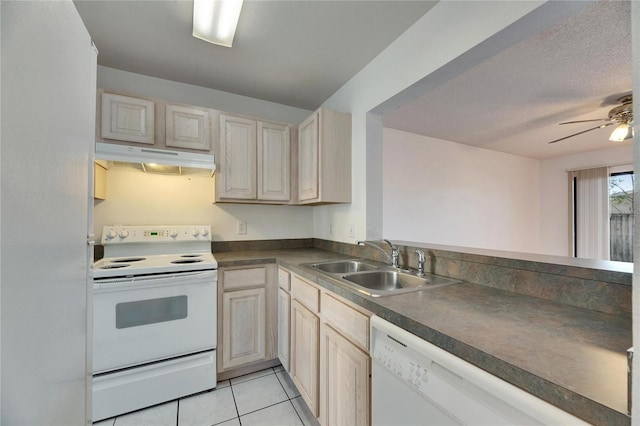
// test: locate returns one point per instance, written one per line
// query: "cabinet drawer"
(305, 293)
(233, 279)
(347, 320)
(284, 279)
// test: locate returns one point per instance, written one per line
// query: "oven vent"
(151, 160)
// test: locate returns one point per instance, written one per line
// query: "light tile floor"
(267, 397)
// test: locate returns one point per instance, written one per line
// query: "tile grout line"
(268, 406)
(233, 395)
(290, 399)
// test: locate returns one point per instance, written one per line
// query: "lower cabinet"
(284, 326)
(243, 327)
(344, 380)
(305, 332)
(247, 319)
(284, 317)
(329, 360)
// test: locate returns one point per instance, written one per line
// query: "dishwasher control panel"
(392, 353)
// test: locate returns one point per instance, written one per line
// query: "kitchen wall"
(136, 198)
(110, 78)
(472, 197)
(443, 192)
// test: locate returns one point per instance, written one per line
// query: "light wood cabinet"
(329, 360)
(243, 327)
(284, 317)
(305, 333)
(324, 158)
(99, 181)
(274, 170)
(127, 118)
(254, 161)
(236, 178)
(247, 319)
(284, 324)
(344, 381)
(187, 127)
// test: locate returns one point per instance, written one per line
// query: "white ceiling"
(512, 102)
(299, 53)
(296, 53)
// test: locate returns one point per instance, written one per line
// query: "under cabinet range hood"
(152, 160)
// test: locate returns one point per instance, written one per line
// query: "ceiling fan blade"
(584, 131)
(584, 121)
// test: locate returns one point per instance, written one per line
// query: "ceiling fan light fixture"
(215, 21)
(621, 133)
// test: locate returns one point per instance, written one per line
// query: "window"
(602, 213)
(621, 216)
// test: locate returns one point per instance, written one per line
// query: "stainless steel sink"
(390, 281)
(344, 266)
(377, 279)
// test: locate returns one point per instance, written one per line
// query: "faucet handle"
(421, 260)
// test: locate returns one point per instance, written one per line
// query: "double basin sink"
(378, 280)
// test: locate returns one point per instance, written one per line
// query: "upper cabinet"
(254, 161)
(257, 161)
(127, 119)
(236, 178)
(324, 158)
(188, 127)
(274, 170)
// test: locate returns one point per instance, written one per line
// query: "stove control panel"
(120, 234)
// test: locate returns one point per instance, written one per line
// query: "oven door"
(144, 319)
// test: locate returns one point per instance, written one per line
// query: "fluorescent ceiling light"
(215, 21)
(622, 133)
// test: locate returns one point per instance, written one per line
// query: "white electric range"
(154, 317)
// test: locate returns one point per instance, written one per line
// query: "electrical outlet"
(352, 230)
(331, 229)
(242, 227)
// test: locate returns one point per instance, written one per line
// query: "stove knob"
(111, 234)
(124, 234)
(195, 233)
(173, 233)
(204, 232)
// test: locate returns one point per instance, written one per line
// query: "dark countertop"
(572, 357)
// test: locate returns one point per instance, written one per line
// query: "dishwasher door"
(417, 383)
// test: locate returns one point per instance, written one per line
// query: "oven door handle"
(147, 281)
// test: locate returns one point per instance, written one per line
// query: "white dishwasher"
(417, 383)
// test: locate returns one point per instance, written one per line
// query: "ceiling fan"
(622, 115)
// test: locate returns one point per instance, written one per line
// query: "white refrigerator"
(48, 83)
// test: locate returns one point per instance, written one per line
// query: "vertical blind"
(591, 212)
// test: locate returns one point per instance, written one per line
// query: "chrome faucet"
(394, 257)
(421, 260)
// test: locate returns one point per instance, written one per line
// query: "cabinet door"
(243, 327)
(188, 127)
(344, 381)
(284, 312)
(99, 182)
(305, 330)
(125, 118)
(308, 149)
(274, 171)
(237, 158)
